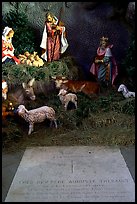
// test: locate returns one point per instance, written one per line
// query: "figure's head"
(121, 88)
(62, 92)
(37, 58)
(8, 32)
(27, 54)
(51, 18)
(31, 57)
(29, 89)
(21, 110)
(103, 42)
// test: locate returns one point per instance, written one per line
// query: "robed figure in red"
(7, 47)
(54, 42)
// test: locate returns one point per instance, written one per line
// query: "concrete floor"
(11, 161)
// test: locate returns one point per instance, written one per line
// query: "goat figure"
(65, 98)
(126, 93)
(37, 115)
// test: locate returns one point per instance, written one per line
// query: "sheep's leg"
(55, 122)
(31, 128)
(75, 104)
(51, 122)
(66, 105)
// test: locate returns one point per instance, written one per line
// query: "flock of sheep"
(38, 115)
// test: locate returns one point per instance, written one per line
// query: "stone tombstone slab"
(72, 174)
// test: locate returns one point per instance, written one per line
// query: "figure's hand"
(98, 61)
(58, 28)
(57, 32)
(8, 45)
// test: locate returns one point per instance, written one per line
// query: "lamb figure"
(65, 98)
(126, 93)
(37, 115)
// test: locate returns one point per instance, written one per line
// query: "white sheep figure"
(37, 115)
(65, 98)
(126, 93)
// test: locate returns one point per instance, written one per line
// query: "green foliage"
(24, 38)
(18, 73)
(58, 68)
(126, 106)
(88, 106)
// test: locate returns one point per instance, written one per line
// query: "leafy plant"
(23, 72)
(24, 38)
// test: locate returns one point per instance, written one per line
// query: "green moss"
(108, 119)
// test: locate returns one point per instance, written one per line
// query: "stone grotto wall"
(85, 22)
